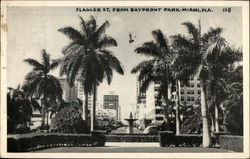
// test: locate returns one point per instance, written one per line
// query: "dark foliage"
(29, 142)
(192, 121)
(230, 142)
(19, 111)
(69, 120)
(233, 118)
(168, 138)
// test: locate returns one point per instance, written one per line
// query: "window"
(157, 88)
(192, 98)
(188, 98)
(182, 91)
(157, 82)
(192, 91)
(157, 103)
(159, 118)
(182, 85)
(188, 91)
(198, 85)
(199, 91)
(192, 84)
(191, 78)
(158, 111)
(182, 98)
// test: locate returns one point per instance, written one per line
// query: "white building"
(154, 109)
(148, 110)
(147, 107)
(80, 93)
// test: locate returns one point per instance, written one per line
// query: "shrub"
(98, 138)
(216, 136)
(131, 138)
(29, 142)
(231, 142)
(192, 121)
(188, 140)
(69, 120)
(19, 111)
(233, 120)
(168, 138)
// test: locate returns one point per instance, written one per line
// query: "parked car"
(152, 130)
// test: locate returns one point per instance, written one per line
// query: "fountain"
(131, 123)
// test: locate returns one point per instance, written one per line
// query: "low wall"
(131, 138)
(30, 142)
(231, 142)
(168, 138)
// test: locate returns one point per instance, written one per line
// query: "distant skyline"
(31, 29)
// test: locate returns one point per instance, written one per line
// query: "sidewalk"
(132, 144)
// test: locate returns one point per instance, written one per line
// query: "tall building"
(111, 103)
(140, 99)
(80, 93)
(154, 108)
(75, 92)
(140, 110)
(191, 92)
(69, 93)
(150, 110)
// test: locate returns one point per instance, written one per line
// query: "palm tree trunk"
(204, 112)
(44, 103)
(47, 126)
(177, 102)
(85, 107)
(43, 111)
(216, 119)
(93, 109)
(167, 121)
(212, 123)
(43, 116)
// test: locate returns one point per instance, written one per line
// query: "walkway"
(118, 147)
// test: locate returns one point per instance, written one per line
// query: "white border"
(245, 16)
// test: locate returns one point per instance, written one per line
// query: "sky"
(31, 29)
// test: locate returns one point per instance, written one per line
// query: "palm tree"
(87, 58)
(180, 74)
(217, 69)
(40, 84)
(233, 105)
(197, 47)
(158, 68)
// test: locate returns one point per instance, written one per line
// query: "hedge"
(30, 142)
(131, 138)
(168, 138)
(231, 142)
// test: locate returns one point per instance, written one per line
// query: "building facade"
(190, 93)
(69, 93)
(149, 110)
(80, 93)
(111, 103)
(75, 92)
